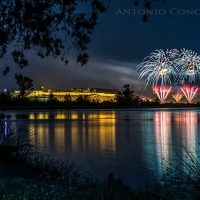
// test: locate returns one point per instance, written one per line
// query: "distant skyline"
(120, 42)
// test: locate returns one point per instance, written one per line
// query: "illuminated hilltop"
(93, 94)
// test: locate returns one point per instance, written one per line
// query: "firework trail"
(177, 93)
(189, 92)
(162, 92)
(178, 96)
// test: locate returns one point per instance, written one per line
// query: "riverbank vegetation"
(27, 173)
(125, 98)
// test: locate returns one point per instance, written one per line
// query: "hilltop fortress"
(92, 94)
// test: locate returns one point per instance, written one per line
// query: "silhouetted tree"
(136, 100)
(36, 100)
(119, 98)
(156, 101)
(25, 85)
(50, 27)
(5, 98)
(67, 98)
(83, 99)
(52, 99)
(147, 5)
(128, 94)
(125, 96)
(146, 102)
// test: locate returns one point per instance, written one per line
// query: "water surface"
(126, 142)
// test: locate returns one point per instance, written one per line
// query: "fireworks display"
(188, 65)
(161, 68)
(178, 96)
(189, 92)
(162, 92)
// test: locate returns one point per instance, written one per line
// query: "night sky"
(120, 42)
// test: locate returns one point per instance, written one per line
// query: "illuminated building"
(144, 98)
(92, 94)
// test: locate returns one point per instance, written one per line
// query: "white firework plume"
(188, 65)
(159, 67)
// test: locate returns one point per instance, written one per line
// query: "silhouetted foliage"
(156, 101)
(136, 100)
(5, 98)
(119, 98)
(25, 85)
(67, 98)
(52, 99)
(35, 100)
(125, 96)
(50, 27)
(147, 5)
(83, 99)
(146, 102)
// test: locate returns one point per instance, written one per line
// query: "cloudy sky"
(120, 42)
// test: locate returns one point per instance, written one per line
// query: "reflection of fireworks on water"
(178, 96)
(162, 92)
(159, 67)
(188, 65)
(189, 91)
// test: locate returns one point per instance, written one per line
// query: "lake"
(131, 143)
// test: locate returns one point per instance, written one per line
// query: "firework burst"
(159, 67)
(189, 92)
(178, 96)
(162, 92)
(188, 65)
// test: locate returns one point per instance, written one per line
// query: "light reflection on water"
(125, 142)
